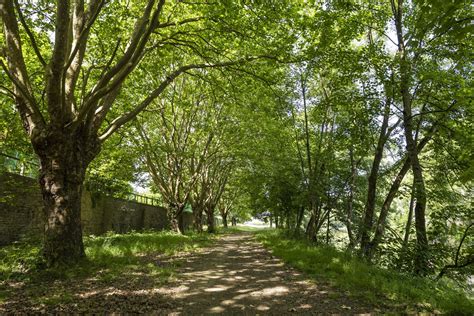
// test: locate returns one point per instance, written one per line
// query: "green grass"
(365, 281)
(109, 256)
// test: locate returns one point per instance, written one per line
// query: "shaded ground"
(235, 276)
(239, 277)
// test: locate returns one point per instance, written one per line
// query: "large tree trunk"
(174, 213)
(224, 220)
(64, 159)
(197, 214)
(224, 210)
(211, 228)
(198, 221)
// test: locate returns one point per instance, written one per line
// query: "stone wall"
(21, 211)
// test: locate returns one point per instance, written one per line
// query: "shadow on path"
(234, 276)
(238, 276)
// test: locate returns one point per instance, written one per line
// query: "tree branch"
(456, 265)
(30, 34)
(126, 117)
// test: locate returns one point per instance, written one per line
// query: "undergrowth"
(367, 281)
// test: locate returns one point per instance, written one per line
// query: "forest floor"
(236, 275)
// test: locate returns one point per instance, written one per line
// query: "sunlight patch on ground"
(272, 291)
(217, 288)
(216, 310)
(262, 308)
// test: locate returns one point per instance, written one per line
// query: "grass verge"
(110, 258)
(365, 281)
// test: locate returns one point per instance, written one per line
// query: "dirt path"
(238, 276)
(234, 276)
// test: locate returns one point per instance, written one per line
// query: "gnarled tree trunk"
(64, 158)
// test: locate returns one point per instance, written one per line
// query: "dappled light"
(238, 276)
(238, 157)
(234, 276)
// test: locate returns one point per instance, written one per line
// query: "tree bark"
(350, 201)
(408, 224)
(197, 212)
(299, 219)
(410, 217)
(421, 261)
(380, 230)
(328, 227)
(174, 214)
(64, 158)
(224, 220)
(211, 228)
(368, 221)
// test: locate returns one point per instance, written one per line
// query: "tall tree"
(76, 105)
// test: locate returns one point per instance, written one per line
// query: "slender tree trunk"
(327, 228)
(299, 219)
(407, 228)
(350, 201)
(310, 227)
(410, 217)
(421, 261)
(288, 219)
(368, 221)
(380, 230)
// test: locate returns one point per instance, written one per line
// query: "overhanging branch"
(126, 117)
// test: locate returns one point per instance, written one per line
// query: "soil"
(234, 276)
(238, 276)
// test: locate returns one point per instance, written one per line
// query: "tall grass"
(367, 281)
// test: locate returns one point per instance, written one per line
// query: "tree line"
(349, 121)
